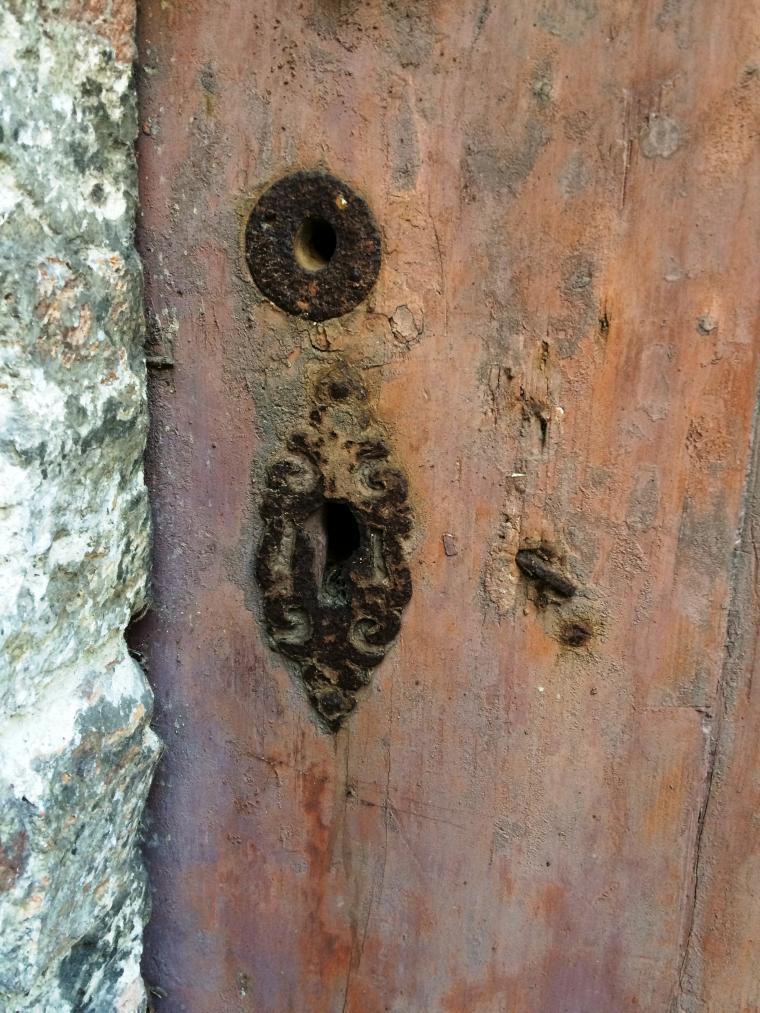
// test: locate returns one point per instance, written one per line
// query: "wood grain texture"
(563, 345)
(720, 969)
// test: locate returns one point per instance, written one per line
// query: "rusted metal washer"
(312, 245)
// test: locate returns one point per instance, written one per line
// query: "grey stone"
(76, 748)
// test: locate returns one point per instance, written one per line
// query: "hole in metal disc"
(314, 244)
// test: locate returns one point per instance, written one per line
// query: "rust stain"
(12, 857)
(113, 19)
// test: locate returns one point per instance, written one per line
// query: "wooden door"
(544, 796)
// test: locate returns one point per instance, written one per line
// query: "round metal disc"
(312, 246)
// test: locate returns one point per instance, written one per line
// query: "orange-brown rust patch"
(112, 19)
(491, 996)
(327, 951)
(12, 860)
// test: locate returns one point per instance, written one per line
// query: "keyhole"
(335, 537)
(342, 535)
(314, 244)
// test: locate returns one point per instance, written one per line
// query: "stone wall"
(76, 748)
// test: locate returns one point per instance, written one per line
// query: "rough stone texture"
(76, 749)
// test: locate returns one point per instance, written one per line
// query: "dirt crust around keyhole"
(312, 245)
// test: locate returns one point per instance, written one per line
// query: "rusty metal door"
(453, 365)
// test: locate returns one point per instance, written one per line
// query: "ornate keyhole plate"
(331, 561)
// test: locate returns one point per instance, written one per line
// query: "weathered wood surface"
(563, 343)
(720, 969)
